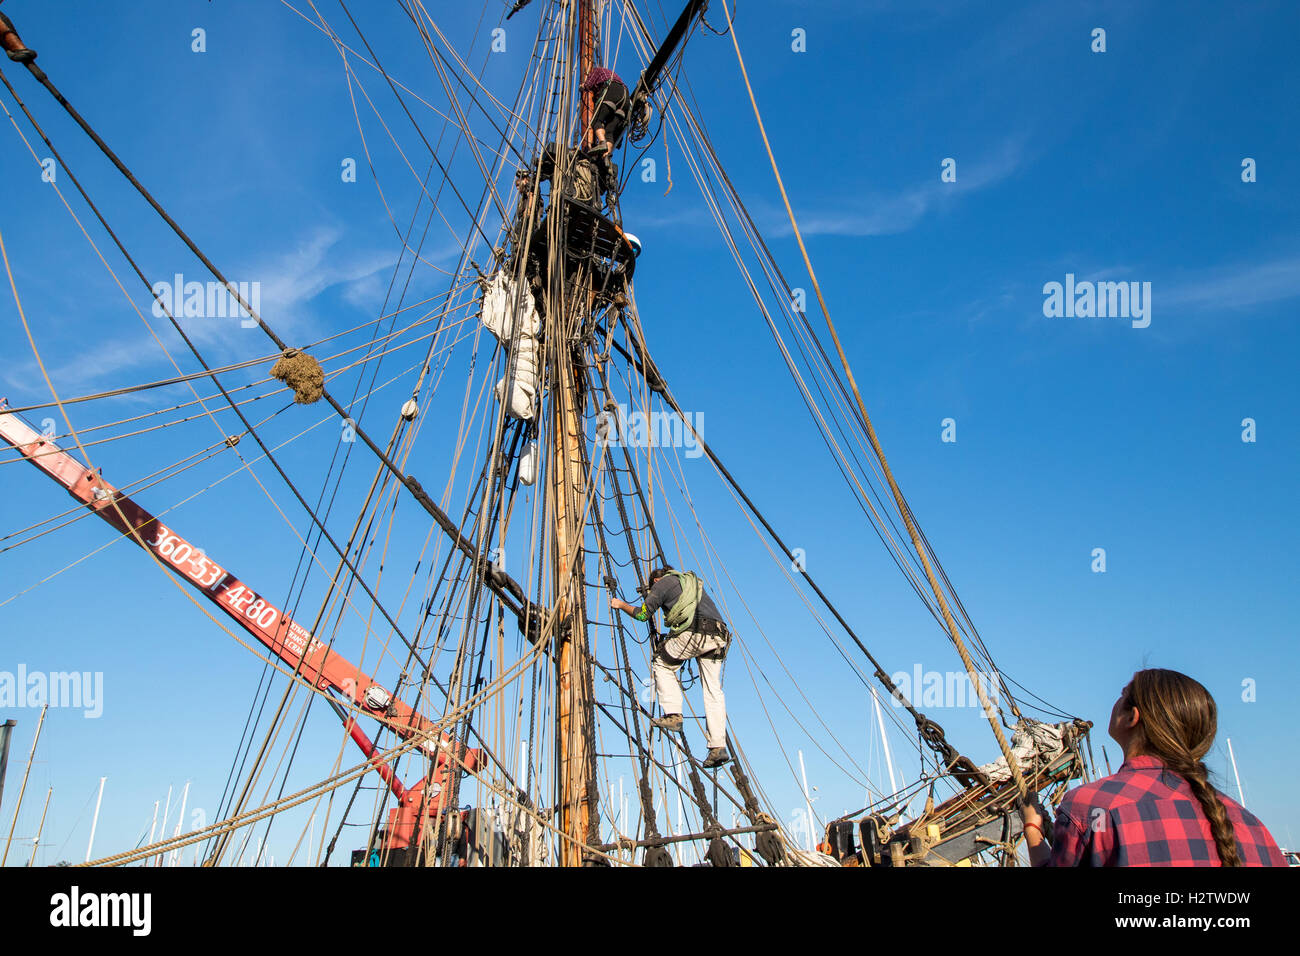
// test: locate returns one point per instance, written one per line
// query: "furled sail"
(509, 313)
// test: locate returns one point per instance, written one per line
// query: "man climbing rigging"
(695, 630)
(611, 107)
(611, 102)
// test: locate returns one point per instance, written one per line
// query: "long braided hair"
(1178, 722)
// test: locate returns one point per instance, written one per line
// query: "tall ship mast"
(492, 702)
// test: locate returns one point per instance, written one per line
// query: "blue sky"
(1072, 434)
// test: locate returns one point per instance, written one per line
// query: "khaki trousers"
(710, 650)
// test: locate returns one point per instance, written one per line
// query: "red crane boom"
(285, 638)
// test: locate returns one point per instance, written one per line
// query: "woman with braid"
(1159, 809)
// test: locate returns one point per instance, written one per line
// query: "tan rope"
(903, 508)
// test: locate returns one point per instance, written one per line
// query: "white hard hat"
(634, 242)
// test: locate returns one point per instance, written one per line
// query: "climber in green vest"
(695, 630)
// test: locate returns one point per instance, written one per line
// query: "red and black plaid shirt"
(1147, 816)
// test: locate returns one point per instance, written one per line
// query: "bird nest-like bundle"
(302, 373)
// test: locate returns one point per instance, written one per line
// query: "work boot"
(670, 722)
(12, 44)
(716, 758)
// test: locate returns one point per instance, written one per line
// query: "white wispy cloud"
(296, 276)
(78, 375)
(1226, 288)
(888, 214)
(693, 216)
(291, 280)
(1236, 286)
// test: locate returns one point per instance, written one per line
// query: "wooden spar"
(575, 712)
(586, 59)
(650, 76)
(574, 709)
(23, 788)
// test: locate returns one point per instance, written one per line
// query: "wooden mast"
(576, 752)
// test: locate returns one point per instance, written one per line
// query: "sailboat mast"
(41, 829)
(884, 742)
(575, 716)
(1241, 794)
(94, 822)
(807, 799)
(23, 789)
(6, 734)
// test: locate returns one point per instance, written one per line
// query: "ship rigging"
(508, 751)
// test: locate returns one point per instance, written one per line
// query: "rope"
(880, 454)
